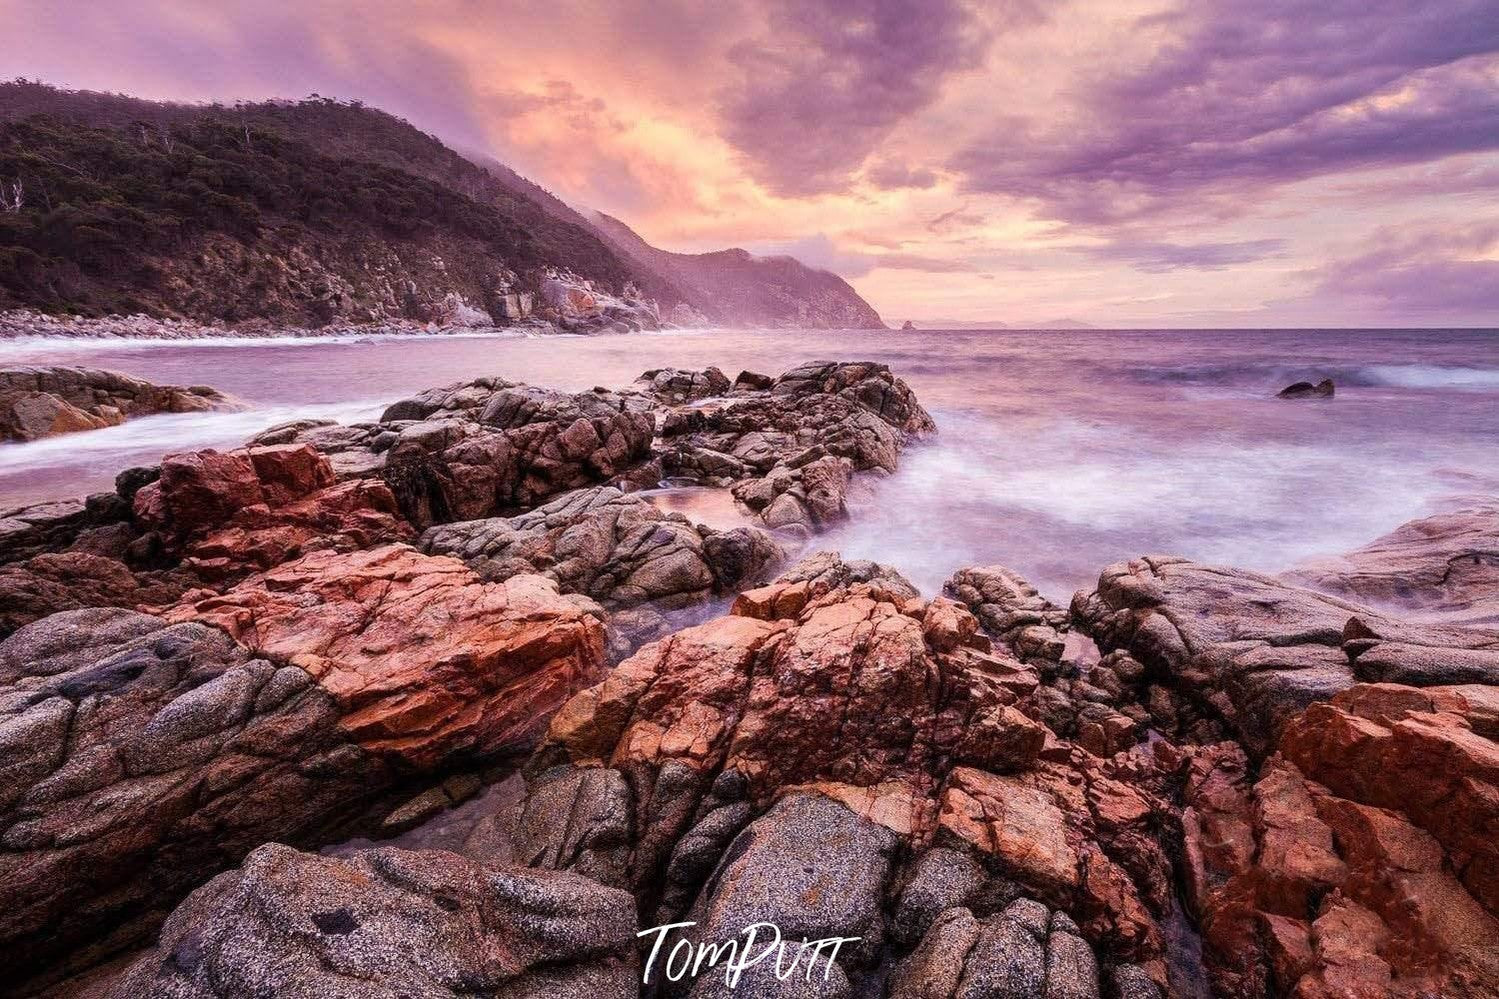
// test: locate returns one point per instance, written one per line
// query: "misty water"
(1057, 453)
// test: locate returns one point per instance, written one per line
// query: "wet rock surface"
(37, 402)
(1325, 389)
(1253, 650)
(1445, 566)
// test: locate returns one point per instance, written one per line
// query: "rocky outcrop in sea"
(444, 704)
(37, 402)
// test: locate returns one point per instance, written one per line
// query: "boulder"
(1306, 390)
(470, 450)
(52, 526)
(1254, 650)
(46, 584)
(387, 923)
(425, 659)
(1361, 861)
(841, 682)
(618, 548)
(1011, 610)
(198, 489)
(813, 869)
(1024, 951)
(674, 386)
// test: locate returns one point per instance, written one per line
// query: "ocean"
(1057, 453)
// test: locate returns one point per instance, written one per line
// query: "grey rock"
(809, 866)
(389, 923)
(617, 548)
(940, 879)
(1131, 982)
(1255, 650)
(140, 758)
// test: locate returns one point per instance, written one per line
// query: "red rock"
(357, 514)
(198, 489)
(1019, 824)
(423, 658)
(288, 472)
(1430, 766)
(1362, 861)
(46, 584)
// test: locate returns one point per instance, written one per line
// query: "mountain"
(314, 211)
(734, 287)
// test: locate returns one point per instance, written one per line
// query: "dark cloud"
(1158, 257)
(1433, 272)
(1259, 93)
(829, 81)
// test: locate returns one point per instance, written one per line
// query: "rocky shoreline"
(1193, 781)
(23, 324)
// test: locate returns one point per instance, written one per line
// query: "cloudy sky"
(1122, 162)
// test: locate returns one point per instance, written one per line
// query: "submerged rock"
(1306, 390)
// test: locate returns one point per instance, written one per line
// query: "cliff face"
(736, 287)
(316, 211)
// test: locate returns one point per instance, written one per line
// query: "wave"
(1272, 376)
(147, 438)
(1423, 376)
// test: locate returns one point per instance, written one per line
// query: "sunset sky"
(1122, 162)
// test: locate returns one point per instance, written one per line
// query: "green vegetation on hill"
(100, 204)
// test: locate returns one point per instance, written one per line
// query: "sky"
(1119, 162)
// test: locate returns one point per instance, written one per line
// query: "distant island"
(1059, 324)
(994, 324)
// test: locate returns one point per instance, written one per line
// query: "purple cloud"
(829, 82)
(1259, 93)
(1158, 257)
(1433, 272)
(917, 262)
(891, 175)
